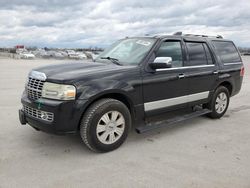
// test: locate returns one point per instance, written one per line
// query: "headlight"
(58, 91)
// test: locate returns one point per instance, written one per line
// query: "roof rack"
(194, 35)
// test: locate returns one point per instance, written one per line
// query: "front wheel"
(219, 102)
(105, 125)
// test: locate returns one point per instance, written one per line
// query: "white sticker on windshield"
(143, 42)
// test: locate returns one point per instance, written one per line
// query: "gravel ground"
(198, 153)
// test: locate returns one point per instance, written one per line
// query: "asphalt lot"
(198, 153)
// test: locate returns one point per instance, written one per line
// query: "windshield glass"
(127, 51)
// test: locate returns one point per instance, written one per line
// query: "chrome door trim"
(175, 101)
(236, 63)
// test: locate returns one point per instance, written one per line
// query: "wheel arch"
(120, 96)
(228, 85)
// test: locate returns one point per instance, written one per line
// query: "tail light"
(242, 71)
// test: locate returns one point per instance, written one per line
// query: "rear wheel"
(219, 102)
(105, 125)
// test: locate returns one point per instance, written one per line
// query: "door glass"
(171, 49)
(196, 54)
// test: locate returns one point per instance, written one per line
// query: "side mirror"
(161, 63)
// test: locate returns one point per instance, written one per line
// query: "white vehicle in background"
(58, 55)
(76, 55)
(72, 54)
(64, 54)
(41, 53)
(21, 51)
(55, 54)
(81, 55)
(92, 55)
(27, 55)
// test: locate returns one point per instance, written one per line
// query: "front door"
(166, 89)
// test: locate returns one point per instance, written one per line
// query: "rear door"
(201, 71)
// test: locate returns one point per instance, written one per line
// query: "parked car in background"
(92, 55)
(56, 54)
(72, 54)
(41, 53)
(81, 55)
(64, 54)
(26, 55)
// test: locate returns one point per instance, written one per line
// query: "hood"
(76, 71)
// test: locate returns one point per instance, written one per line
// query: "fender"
(97, 88)
(225, 79)
(232, 77)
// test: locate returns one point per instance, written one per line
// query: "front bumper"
(66, 115)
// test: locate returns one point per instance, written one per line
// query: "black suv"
(148, 82)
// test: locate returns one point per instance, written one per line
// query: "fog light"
(44, 116)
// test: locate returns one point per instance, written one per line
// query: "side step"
(177, 119)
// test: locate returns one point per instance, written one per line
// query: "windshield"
(127, 51)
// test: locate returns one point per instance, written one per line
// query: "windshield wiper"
(113, 60)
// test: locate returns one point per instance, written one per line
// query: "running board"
(159, 124)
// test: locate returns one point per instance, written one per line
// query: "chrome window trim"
(186, 67)
(175, 101)
(236, 63)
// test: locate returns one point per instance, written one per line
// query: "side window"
(208, 54)
(196, 54)
(171, 49)
(227, 51)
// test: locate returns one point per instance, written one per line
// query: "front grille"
(46, 116)
(34, 88)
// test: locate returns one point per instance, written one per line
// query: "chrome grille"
(34, 88)
(46, 116)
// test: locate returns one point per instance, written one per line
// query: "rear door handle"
(180, 76)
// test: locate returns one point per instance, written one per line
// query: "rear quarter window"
(227, 51)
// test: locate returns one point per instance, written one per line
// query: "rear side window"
(198, 54)
(227, 51)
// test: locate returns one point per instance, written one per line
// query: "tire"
(219, 102)
(105, 125)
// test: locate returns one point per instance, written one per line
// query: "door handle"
(215, 72)
(180, 76)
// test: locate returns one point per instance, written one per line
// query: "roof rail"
(178, 33)
(195, 35)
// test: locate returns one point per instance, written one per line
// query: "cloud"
(79, 23)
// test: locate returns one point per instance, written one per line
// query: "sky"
(80, 23)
